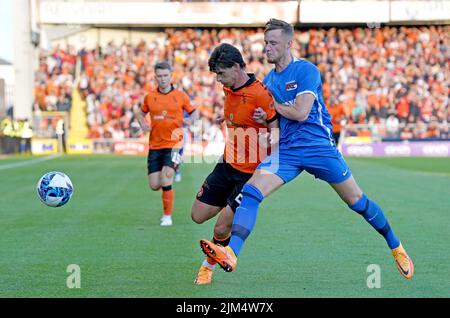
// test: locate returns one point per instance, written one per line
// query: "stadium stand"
(394, 80)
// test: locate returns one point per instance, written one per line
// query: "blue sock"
(245, 217)
(374, 215)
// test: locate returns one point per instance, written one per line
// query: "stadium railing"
(404, 140)
(368, 133)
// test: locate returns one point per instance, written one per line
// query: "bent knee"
(353, 199)
(155, 186)
(197, 217)
(266, 182)
(168, 173)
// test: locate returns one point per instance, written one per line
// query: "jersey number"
(239, 198)
(176, 157)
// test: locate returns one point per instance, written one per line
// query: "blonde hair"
(275, 24)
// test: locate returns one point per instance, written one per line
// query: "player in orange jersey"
(245, 100)
(337, 114)
(165, 106)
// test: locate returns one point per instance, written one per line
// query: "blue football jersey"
(301, 77)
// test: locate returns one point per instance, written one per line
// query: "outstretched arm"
(300, 110)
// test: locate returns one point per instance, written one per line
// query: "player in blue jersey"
(306, 143)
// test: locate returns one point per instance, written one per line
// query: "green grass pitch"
(306, 242)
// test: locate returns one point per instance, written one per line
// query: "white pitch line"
(431, 173)
(27, 162)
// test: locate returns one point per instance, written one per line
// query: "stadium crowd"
(54, 80)
(397, 77)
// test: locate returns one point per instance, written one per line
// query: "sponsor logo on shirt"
(163, 116)
(290, 86)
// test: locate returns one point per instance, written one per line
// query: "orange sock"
(167, 198)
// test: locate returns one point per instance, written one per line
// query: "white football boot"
(166, 220)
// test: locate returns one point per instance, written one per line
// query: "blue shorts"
(325, 163)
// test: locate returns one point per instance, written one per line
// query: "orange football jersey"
(166, 117)
(242, 149)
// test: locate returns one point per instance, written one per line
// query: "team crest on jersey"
(231, 116)
(204, 186)
(290, 86)
(200, 193)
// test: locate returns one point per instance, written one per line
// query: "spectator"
(337, 117)
(392, 126)
(370, 72)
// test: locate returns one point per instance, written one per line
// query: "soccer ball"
(54, 189)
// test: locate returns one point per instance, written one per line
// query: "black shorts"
(169, 157)
(336, 136)
(223, 186)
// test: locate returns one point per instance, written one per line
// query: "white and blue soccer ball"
(54, 189)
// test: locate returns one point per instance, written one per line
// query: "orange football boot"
(224, 256)
(204, 276)
(403, 262)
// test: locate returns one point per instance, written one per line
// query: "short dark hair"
(225, 56)
(275, 24)
(163, 66)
